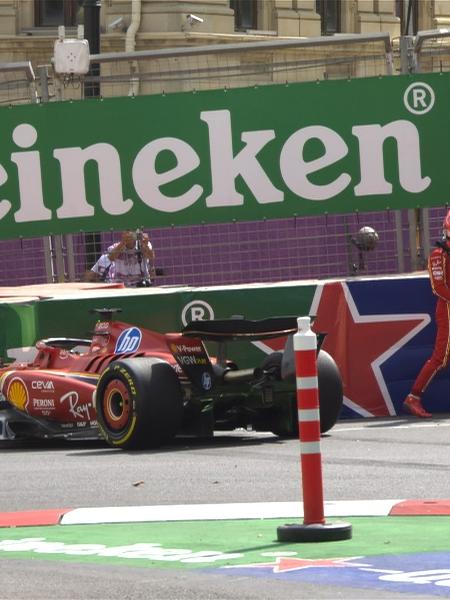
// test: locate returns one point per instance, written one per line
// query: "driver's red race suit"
(439, 271)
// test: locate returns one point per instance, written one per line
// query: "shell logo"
(17, 393)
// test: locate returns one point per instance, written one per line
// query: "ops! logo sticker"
(197, 310)
(129, 340)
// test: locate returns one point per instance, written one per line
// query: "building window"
(330, 16)
(408, 13)
(245, 14)
(52, 13)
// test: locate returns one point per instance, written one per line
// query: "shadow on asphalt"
(179, 444)
(396, 421)
(238, 437)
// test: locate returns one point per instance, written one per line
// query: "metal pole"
(70, 257)
(92, 90)
(92, 33)
(43, 80)
(408, 65)
(426, 234)
(52, 266)
(408, 16)
(50, 274)
(59, 258)
(399, 240)
(406, 54)
(413, 241)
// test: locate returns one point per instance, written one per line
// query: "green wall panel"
(161, 309)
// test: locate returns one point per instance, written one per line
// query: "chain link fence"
(240, 252)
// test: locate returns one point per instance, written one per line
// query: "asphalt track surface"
(388, 478)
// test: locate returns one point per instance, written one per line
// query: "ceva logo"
(129, 340)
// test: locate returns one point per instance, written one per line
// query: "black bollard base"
(315, 532)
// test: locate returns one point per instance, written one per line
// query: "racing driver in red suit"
(439, 271)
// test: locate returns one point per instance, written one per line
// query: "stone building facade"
(28, 27)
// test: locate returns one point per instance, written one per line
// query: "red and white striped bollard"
(305, 348)
(314, 528)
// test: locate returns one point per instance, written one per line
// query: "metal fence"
(258, 251)
(236, 65)
(17, 83)
(431, 52)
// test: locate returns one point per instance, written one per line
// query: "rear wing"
(223, 330)
(234, 329)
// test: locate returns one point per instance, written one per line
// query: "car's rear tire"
(330, 394)
(138, 403)
(330, 391)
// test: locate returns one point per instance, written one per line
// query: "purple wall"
(241, 252)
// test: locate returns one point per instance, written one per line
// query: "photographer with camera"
(102, 270)
(133, 259)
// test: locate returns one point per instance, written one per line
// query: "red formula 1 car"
(138, 388)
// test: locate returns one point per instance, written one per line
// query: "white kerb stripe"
(308, 414)
(309, 447)
(203, 512)
(307, 383)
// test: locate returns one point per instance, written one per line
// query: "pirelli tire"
(330, 393)
(138, 403)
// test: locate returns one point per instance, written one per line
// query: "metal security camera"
(118, 23)
(193, 19)
(366, 239)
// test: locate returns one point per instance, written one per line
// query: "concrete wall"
(379, 330)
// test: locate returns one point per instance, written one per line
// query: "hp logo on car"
(129, 340)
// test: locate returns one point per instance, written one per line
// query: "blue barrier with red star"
(380, 332)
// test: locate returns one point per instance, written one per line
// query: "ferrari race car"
(137, 388)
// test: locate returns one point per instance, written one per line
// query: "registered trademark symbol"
(419, 98)
(197, 310)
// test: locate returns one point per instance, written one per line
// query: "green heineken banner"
(217, 156)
